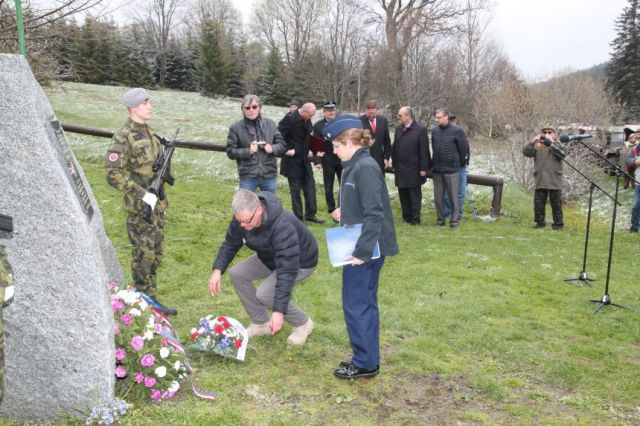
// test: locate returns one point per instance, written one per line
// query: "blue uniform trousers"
(360, 306)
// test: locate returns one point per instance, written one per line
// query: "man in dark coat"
(378, 125)
(254, 142)
(547, 156)
(331, 164)
(286, 253)
(296, 128)
(411, 160)
(449, 147)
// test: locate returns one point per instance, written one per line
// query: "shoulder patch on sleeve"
(114, 155)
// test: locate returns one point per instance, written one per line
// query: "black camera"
(261, 144)
(545, 140)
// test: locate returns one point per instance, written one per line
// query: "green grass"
(477, 324)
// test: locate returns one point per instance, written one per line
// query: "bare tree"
(289, 25)
(157, 18)
(405, 21)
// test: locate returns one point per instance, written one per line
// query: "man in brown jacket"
(547, 154)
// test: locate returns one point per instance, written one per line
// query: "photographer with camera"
(255, 142)
(547, 154)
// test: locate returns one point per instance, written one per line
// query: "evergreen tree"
(623, 71)
(235, 87)
(211, 68)
(270, 86)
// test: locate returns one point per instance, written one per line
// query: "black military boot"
(164, 309)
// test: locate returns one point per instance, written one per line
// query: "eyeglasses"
(246, 222)
(250, 107)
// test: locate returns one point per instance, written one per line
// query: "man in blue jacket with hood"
(286, 253)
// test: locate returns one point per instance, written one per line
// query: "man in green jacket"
(547, 154)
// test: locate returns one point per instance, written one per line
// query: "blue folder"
(341, 242)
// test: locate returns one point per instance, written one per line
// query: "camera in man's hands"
(545, 140)
(261, 144)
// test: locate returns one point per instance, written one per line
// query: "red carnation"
(226, 324)
(238, 343)
(194, 335)
(218, 329)
(221, 319)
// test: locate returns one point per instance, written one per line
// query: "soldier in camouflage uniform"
(6, 296)
(129, 162)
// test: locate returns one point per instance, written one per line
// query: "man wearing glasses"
(286, 253)
(449, 148)
(255, 142)
(547, 157)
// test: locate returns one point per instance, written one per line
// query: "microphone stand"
(605, 300)
(582, 277)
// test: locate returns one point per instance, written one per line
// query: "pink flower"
(120, 354)
(126, 319)
(149, 382)
(155, 394)
(158, 327)
(137, 342)
(113, 285)
(116, 303)
(147, 360)
(116, 328)
(120, 371)
(138, 377)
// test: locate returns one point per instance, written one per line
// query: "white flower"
(161, 371)
(143, 305)
(148, 335)
(174, 387)
(129, 297)
(135, 312)
(164, 352)
(177, 365)
(152, 322)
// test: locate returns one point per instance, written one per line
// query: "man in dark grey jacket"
(255, 142)
(286, 253)
(449, 148)
(547, 156)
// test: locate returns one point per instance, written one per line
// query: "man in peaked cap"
(547, 156)
(331, 165)
(129, 162)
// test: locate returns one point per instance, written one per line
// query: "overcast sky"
(543, 37)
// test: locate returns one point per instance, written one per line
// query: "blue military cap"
(329, 105)
(135, 97)
(344, 122)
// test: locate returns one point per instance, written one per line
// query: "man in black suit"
(411, 160)
(295, 128)
(380, 150)
(331, 164)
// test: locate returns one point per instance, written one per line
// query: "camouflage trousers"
(5, 281)
(147, 240)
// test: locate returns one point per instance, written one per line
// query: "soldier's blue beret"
(135, 97)
(344, 122)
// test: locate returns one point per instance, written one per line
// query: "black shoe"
(314, 219)
(556, 228)
(632, 229)
(539, 225)
(353, 372)
(164, 309)
(438, 223)
(455, 224)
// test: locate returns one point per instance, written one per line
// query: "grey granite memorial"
(59, 350)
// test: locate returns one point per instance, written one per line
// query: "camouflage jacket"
(6, 273)
(129, 163)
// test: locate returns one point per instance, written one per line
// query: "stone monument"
(59, 350)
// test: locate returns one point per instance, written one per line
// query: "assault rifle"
(161, 167)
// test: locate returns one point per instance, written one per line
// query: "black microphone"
(569, 138)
